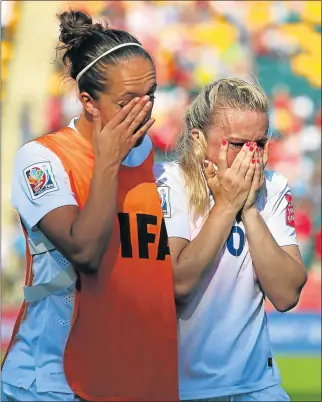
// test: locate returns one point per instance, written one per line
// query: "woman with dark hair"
(98, 321)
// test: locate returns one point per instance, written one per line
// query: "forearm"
(280, 275)
(196, 257)
(92, 229)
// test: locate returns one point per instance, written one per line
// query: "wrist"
(226, 211)
(105, 176)
(104, 167)
(249, 213)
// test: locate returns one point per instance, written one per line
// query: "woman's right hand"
(116, 139)
(230, 186)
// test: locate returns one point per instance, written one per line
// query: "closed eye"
(237, 145)
(260, 143)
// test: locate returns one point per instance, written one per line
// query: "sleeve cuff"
(287, 242)
(176, 231)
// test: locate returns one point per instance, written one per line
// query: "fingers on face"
(143, 130)
(140, 117)
(243, 159)
(262, 177)
(258, 174)
(251, 170)
(137, 114)
(97, 122)
(258, 171)
(129, 112)
(209, 169)
(223, 156)
(124, 112)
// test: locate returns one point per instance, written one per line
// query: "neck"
(84, 126)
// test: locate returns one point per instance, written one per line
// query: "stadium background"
(193, 43)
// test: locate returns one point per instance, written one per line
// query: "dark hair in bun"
(82, 42)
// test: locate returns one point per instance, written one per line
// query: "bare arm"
(191, 259)
(280, 270)
(83, 236)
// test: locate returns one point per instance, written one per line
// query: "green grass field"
(301, 377)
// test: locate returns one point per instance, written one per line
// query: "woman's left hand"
(257, 184)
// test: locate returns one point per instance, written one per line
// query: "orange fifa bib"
(123, 341)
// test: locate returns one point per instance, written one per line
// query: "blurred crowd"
(193, 43)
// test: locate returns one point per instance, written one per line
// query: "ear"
(88, 102)
(195, 133)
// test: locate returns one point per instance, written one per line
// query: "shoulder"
(276, 184)
(34, 155)
(33, 152)
(30, 147)
(37, 170)
(167, 171)
(39, 183)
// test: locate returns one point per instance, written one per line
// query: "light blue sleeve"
(3, 395)
(40, 183)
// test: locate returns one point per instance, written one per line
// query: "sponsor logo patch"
(164, 195)
(40, 179)
(290, 218)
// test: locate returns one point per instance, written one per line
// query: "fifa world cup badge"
(164, 195)
(40, 179)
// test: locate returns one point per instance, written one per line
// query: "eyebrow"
(243, 141)
(152, 89)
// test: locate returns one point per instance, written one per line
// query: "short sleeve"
(40, 183)
(173, 199)
(281, 220)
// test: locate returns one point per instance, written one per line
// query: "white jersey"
(37, 355)
(224, 344)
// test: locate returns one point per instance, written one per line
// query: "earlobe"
(195, 133)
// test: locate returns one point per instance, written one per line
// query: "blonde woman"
(232, 241)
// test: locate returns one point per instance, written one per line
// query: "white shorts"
(9, 393)
(274, 393)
